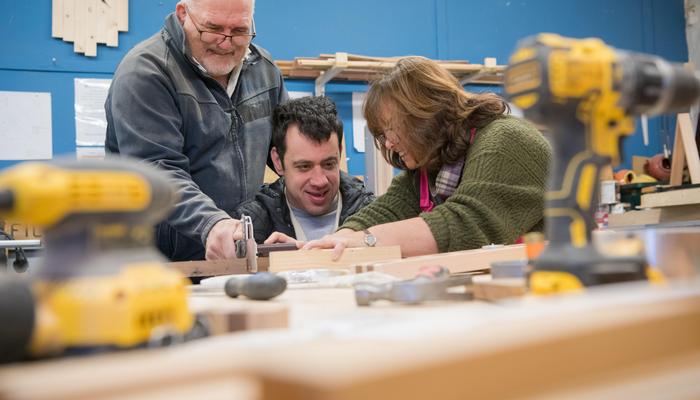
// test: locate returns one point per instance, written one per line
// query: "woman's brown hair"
(432, 109)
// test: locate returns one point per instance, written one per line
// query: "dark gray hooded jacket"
(163, 109)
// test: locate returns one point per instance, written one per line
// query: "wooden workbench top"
(333, 349)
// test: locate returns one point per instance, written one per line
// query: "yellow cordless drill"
(102, 284)
(586, 93)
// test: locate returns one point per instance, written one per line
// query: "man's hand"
(338, 242)
(279, 237)
(220, 241)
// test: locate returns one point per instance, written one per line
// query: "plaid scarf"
(445, 184)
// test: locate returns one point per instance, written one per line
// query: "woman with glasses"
(472, 175)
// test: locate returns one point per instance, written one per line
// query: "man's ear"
(180, 12)
(279, 168)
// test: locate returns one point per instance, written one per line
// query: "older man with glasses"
(196, 99)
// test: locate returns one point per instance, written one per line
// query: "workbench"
(628, 341)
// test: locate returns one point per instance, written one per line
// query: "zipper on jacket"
(236, 126)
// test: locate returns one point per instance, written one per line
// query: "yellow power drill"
(585, 94)
(102, 285)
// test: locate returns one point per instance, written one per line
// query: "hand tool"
(585, 93)
(431, 283)
(102, 284)
(260, 286)
(247, 247)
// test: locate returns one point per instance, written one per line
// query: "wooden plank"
(609, 341)
(57, 18)
(654, 216)
(690, 147)
(306, 259)
(225, 315)
(215, 268)
(499, 289)
(186, 371)
(111, 28)
(456, 262)
(684, 151)
(679, 197)
(102, 21)
(69, 20)
(91, 13)
(122, 12)
(80, 35)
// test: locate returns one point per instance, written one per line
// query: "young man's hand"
(279, 237)
(221, 239)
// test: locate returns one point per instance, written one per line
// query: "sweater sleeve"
(501, 193)
(398, 203)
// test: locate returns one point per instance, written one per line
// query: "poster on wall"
(25, 126)
(90, 120)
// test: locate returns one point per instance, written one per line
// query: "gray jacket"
(161, 108)
(269, 211)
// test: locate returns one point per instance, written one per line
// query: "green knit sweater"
(499, 198)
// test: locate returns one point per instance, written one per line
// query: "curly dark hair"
(316, 118)
(431, 109)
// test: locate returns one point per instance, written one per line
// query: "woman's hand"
(338, 242)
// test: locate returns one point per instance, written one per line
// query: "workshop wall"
(443, 29)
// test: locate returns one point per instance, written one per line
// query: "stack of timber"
(353, 67)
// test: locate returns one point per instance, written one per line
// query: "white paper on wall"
(298, 95)
(25, 126)
(90, 120)
(358, 121)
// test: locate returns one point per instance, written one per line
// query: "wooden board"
(536, 350)
(57, 18)
(499, 289)
(122, 12)
(654, 216)
(225, 315)
(456, 261)
(69, 20)
(571, 345)
(80, 27)
(680, 197)
(684, 151)
(215, 268)
(306, 259)
(92, 13)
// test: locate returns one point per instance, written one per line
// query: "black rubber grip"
(261, 286)
(7, 199)
(16, 318)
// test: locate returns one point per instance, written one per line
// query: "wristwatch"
(370, 240)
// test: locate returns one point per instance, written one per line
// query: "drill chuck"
(652, 86)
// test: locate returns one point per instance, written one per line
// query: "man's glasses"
(240, 38)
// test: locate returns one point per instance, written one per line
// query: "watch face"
(370, 239)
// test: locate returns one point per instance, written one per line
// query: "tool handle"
(261, 286)
(17, 317)
(264, 250)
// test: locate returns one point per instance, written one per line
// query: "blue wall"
(444, 29)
